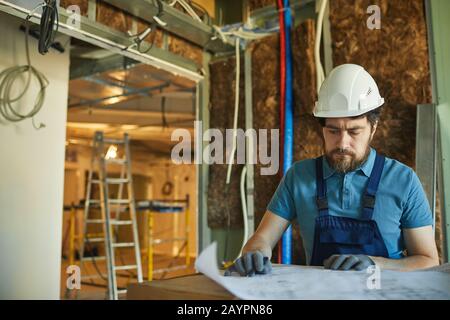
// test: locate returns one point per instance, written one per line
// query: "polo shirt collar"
(366, 167)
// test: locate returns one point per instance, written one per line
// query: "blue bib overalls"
(342, 235)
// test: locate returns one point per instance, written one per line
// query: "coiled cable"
(9, 77)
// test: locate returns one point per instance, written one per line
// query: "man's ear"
(373, 130)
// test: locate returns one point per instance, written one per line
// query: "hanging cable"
(157, 17)
(188, 9)
(320, 75)
(236, 109)
(244, 208)
(9, 77)
(47, 25)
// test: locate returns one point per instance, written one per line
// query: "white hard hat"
(348, 91)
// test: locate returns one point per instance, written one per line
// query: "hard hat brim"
(343, 113)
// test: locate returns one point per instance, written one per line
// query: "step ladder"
(111, 224)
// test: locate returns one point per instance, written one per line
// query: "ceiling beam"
(80, 68)
(178, 23)
(117, 42)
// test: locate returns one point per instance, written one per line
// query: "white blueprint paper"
(300, 282)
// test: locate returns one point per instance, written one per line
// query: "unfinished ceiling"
(115, 94)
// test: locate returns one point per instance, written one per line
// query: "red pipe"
(282, 92)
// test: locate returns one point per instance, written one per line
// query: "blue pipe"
(286, 257)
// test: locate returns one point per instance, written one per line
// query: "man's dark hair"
(373, 117)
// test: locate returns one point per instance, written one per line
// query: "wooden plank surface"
(192, 287)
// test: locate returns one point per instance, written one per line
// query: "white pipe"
(244, 208)
(236, 109)
(320, 75)
(189, 10)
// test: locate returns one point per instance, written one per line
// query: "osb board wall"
(258, 4)
(396, 56)
(123, 22)
(265, 75)
(223, 201)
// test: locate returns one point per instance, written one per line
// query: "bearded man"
(355, 207)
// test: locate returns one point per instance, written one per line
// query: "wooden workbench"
(192, 287)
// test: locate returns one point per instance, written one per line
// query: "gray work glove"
(249, 264)
(348, 262)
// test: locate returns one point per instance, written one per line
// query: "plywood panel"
(258, 4)
(396, 56)
(224, 202)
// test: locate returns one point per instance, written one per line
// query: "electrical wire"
(244, 208)
(47, 26)
(236, 109)
(188, 9)
(9, 77)
(320, 75)
(201, 8)
(150, 31)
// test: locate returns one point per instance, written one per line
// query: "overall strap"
(321, 197)
(372, 187)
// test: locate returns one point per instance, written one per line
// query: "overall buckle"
(322, 203)
(369, 201)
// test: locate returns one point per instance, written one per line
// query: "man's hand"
(348, 262)
(249, 264)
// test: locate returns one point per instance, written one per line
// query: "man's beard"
(347, 163)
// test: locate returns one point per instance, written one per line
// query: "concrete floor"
(97, 289)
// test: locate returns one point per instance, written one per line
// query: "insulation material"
(185, 49)
(113, 17)
(396, 56)
(223, 205)
(307, 131)
(266, 96)
(258, 4)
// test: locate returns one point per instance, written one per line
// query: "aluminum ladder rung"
(103, 179)
(99, 258)
(123, 244)
(117, 180)
(94, 239)
(119, 201)
(113, 141)
(126, 267)
(121, 222)
(116, 161)
(95, 221)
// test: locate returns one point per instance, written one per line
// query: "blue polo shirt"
(400, 200)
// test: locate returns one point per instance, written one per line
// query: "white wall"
(31, 177)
